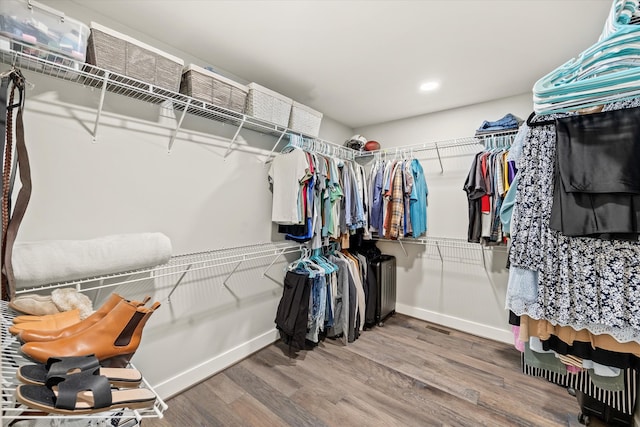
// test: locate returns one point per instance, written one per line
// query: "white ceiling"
(361, 62)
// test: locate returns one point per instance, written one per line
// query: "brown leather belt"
(11, 218)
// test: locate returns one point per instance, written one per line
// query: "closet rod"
(436, 145)
(180, 265)
(320, 146)
(442, 241)
(314, 145)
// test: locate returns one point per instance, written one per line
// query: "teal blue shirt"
(418, 203)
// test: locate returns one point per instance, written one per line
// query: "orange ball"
(372, 146)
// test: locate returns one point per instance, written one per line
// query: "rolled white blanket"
(54, 261)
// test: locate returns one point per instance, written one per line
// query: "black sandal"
(85, 392)
(38, 374)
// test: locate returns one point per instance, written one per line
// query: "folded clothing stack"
(508, 122)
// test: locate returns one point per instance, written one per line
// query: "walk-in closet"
(319, 213)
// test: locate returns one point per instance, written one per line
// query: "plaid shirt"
(396, 205)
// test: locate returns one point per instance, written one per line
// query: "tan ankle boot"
(32, 335)
(50, 322)
(112, 339)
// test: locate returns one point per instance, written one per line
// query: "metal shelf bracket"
(439, 158)
(439, 252)
(186, 270)
(224, 282)
(175, 131)
(100, 105)
(484, 264)
(402, 247)
(272, 262)
(284, 132)
(233, 140)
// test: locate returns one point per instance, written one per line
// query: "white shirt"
(286, 173)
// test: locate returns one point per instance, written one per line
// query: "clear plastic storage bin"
(42, 31)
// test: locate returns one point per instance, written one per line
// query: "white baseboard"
(485, 331)
(188, 378)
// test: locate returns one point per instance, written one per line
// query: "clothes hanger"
(294, 143)
(318, 258)
(607, 71)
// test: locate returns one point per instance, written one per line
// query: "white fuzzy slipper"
(67, 299)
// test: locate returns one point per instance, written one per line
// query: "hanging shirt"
(387, 191)
(407, 188)
(365, 201)
(418, 205)
(475, 188)
(397, 204)
(376, 215)
(358, 196)
(286, 174)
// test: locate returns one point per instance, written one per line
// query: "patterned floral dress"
(583, 282)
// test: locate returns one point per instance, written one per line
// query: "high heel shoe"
(110, 304)
(112, 339)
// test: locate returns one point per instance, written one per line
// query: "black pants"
(293, 309)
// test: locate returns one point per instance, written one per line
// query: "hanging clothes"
(316, 198)
(418, 200)
(293, 309)
(397, 191)
(598, 196)
(588, 285)
(600, 278)
(287, 174)
(486, 185)
(325, 295)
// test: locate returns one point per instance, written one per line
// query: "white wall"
(127, 182)
(457, 291)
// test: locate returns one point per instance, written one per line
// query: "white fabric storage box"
(211, 87)
(265, 104)
(124, 55)
(35, 25)
(305, 119)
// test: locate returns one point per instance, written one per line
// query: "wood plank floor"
(407, 373)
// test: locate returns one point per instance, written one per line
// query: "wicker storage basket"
(214, 88)
(305, 119)
(124, 55)
(265, 104)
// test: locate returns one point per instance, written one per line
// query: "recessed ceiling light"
(429, 86)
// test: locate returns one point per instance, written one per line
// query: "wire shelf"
(177, 265)
(451, 249)
(47, 63)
